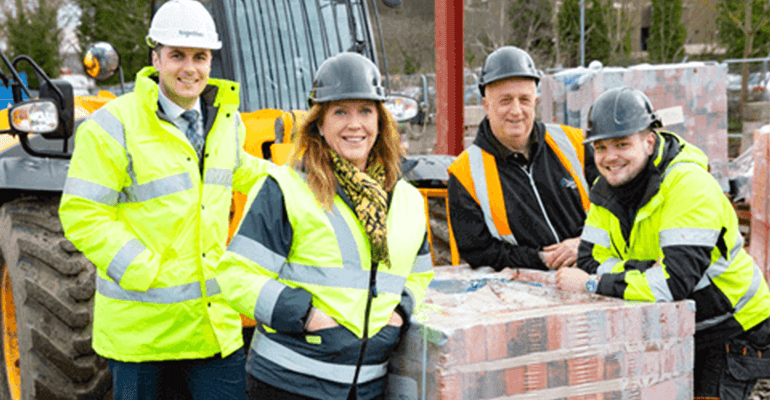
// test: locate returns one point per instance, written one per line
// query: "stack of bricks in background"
(699, 88)
(514, 340)
(760, 203)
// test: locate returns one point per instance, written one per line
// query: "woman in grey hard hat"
(332, 256)
(660, 229)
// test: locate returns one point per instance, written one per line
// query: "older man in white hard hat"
(147, 200)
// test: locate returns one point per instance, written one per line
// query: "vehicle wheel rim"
(10, 339)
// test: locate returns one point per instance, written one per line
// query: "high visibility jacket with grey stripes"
(135, 203)
(505, 208)
(684, 244)
(289, 252)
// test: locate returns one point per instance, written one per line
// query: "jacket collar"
(217, 93)
(667, 148)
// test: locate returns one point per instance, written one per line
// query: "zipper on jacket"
(540, 202)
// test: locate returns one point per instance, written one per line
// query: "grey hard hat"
(346, 76)
(620, 112)
(507, 62)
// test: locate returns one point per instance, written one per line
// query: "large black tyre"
(53, 289)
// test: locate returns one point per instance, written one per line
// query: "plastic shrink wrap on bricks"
(760, 203)
(699, 88)
(482, 336)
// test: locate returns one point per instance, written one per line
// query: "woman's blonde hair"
(311, 152)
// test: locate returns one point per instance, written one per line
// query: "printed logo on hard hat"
(187, 34)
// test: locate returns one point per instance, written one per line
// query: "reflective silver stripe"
(347, 244)
(212, 287)
(705, 324)
(256, 252)
(91, 191)
(478, 174)
(719, 266)
(125, 256)
(565, 145)
(341, 277)
(110, 124)
(607, 265)
(596, 236)
(422, 263)
(167, 295)
(222, 177)
(756, 283)
(157, 188)
(657, 281)
(268, 297)
(287, 358)
(689, 237)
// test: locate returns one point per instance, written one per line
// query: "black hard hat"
(507, 62)
(346, 76)
(620, 112)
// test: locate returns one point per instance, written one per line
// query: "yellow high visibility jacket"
(135, 203)
(289, 252)
(682, 243)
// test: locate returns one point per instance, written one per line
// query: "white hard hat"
(184, 23)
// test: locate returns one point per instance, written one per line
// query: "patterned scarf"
(370, 201)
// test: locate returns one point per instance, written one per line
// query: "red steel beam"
(449, 76)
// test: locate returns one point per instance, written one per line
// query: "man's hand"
(561, 255)
(396, 320)
(571, 279)
(319, 320)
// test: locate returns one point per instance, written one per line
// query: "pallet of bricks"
(760, 202)
(513, 335)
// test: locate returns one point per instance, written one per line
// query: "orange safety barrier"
(432, 192)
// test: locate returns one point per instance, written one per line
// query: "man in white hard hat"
(147, 200)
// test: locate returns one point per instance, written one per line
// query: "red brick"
(517, 339)
(633, 325)
(475, 338)
(673, 389)
(515, 380)
(669, 359)
(450, 387)
(557, 373)
(669, 320)
(615, 325)
(686, 318)
(652, 361)
(634, 364)
(536, 376)
(613, 366)
(496, 335)
(585, 370)
(473, 385)
(555, 325)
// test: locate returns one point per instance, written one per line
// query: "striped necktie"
(195, 138)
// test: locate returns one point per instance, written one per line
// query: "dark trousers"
(213, 378)
(729, 371)
(258, 390)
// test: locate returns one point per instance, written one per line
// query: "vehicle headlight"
(34, 116)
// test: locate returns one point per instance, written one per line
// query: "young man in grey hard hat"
(147, 200)
(518, 196)
(660, 229)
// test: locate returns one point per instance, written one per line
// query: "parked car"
(756, 89)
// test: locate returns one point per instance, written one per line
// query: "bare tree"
(753, 24)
